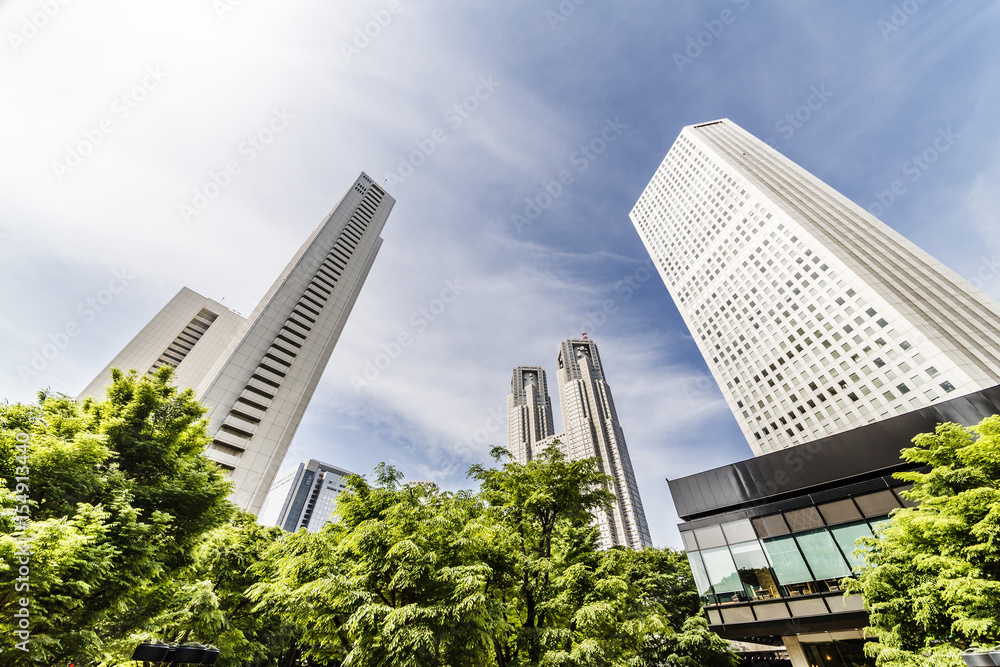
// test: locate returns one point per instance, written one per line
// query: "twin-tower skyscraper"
(256, 375)
(591, 430)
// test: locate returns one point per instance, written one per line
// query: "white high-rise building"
(592, 430)
(256, 376)
(813, 316)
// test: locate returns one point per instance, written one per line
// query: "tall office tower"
(592, 430)
(190, 333)
(304, 498)
(256, 377)
(814, 316)
(529, 412)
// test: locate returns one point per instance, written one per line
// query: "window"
(822, 554)
(721, 570)
(710, 536)
(770, 526)
(841, 511)
(877, 504)
(846, 538)
(689, 541)
(787, 562)
(947, 386)
(698, 570)
(803, 519)
(753, 569)
(739, 531)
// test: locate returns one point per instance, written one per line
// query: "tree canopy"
(931, 578)
(132, 538)
(506, 577)
(119, 495)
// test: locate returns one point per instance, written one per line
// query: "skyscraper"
(529, 412)
(305, 497)
(256, 376)
(813, 316)
(592, 430)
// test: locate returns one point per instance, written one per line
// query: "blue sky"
(163, 96)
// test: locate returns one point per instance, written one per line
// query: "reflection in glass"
(786, 561)
(754, 571)
(878, 525)
(710, 536)
(721, 571)
(739, 531)
(823, 555)
(698, 570)
(846, 536)
(689, 543)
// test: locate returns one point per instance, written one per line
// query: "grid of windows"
(592, 430)
(801, 346)
(529, 412)
(785, 555)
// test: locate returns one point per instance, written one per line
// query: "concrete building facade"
(256, 376)
(592, 429)
(529, 412)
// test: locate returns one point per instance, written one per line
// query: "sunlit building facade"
(257, 375)
(813, 316)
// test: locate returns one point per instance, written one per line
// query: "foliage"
(931, 578)
(132, 538)
(391, 583)
(119, 496)
(209, 602)
(508, 576)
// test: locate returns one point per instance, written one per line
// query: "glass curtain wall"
(786, 554)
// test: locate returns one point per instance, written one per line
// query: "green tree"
(210, 604)
(394, 581)
(931, 577)
(119, 497)
(545, 508)
(509, 576)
